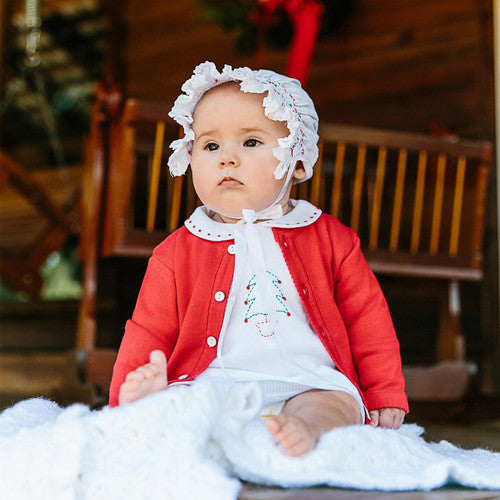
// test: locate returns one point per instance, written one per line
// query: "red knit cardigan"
(177, 312)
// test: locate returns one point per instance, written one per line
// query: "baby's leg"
(308, 415)
(145, 380)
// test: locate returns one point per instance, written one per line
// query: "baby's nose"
(228, 159)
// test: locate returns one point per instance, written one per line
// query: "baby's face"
(232, 159)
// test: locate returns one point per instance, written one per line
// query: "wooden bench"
(416, 201)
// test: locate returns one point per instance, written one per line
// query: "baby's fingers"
(374, 417)
(399, 419)
(392, 418)
(386, 419)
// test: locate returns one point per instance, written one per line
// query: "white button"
(182, 377)
(211, 341)
(231, 249)
(219, 296)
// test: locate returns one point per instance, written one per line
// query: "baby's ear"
(300, 172)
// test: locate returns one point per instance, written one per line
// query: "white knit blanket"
(197, 441)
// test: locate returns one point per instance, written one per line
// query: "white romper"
(266, 336)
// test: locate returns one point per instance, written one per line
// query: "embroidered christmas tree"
(262, 316)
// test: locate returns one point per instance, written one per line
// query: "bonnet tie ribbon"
(248, 245)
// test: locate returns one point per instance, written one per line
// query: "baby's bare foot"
(145, 380)
(295, 436)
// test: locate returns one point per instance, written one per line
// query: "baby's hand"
(392, 418)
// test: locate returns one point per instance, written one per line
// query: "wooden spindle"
(316, 178)
(337, 179)
(481, 190)
(115, 222)
(358, 187)
(397, 207)
(377, 197)
(457, 206)
(437, 210)
(155, 176)
(173, 216)
(418, 205)
(191, 197)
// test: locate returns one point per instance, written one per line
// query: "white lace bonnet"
(286, 101)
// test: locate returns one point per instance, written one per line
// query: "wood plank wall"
(399, 64)
(394, 63)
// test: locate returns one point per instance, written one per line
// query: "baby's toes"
(275, 424)
(290, 440)
(136, 376)
(128, 391)
(300, 448)
(299, 439)
(298, 443)
(147, 372)
(158, 359)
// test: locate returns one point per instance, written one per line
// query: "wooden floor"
(36, 360)
(259, 493)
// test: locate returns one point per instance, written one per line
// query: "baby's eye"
(212, 146)
(251, 143)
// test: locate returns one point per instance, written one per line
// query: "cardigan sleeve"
(154, 324)
(374, 345)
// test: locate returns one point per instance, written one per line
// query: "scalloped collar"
(200, 224)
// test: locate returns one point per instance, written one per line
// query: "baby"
(255, 286)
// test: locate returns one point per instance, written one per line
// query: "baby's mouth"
(230, 182)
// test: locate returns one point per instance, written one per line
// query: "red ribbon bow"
(306, 20)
